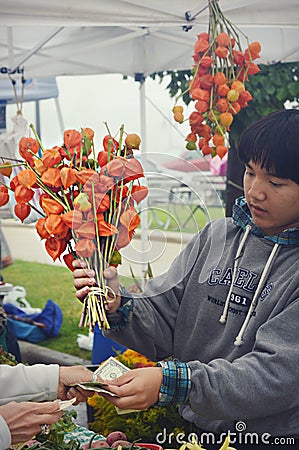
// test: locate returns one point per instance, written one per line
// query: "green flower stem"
(121, 132)
(36, 136)
(36, 210)
(3, 184)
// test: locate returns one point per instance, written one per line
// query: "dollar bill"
(63, 404)
(110, 370)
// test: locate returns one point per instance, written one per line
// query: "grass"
(182, 218)
(43, 282)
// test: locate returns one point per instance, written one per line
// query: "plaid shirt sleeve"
(176, 382)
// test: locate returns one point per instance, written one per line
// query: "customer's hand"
(85, 278)
(71, 375)
(24, 419)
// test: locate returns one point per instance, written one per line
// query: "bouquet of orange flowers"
(87, 202)
(220, 71)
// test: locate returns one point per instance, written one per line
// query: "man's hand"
(136, 389)
(85, 278)
(24, 419)
(72, 375)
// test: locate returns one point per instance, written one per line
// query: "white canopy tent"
(133, 36)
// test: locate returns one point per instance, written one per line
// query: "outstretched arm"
(24, 420)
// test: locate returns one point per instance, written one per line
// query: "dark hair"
(273, 142)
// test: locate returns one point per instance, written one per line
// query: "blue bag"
(51, 317)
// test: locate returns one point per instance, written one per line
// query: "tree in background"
(271, 89)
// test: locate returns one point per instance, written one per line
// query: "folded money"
(95, 386)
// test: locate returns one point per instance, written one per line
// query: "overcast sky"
(94, 99)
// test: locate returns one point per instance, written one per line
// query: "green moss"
(142, 425)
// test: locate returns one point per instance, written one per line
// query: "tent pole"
(59, 115)
(36, 48)
(144, 203)
(37, 118)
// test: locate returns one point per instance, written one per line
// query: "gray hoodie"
(229, 307)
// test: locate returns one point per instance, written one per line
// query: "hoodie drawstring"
(236, 265)
(267, 268)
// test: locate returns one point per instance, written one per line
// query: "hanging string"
(19, 102)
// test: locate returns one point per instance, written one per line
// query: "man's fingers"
(79, 264)
(110, 272)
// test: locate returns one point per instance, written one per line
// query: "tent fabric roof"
(144, 12)
(133, 36)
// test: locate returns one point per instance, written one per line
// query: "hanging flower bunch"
(87, 202)
(220, 72)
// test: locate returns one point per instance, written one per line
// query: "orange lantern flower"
(85, 248)
(86, 175)
(82, 202)
(73, 219)
(139, 193)
(219, 78)
(133, 141)
(51, 177)
(27, 178)
(201, 106)
(28, 147)
(130, 219)
(223, 89)
(221, 52)
(72, 140)
(39, 166)
(23, 194)
(200, 94)
(6, 169)
(109, 143)
(133, 170)
(226, 119)
(88, 133)
(4, 197)
(103, 158)
(41, 228)
(51, 157)
(69, 259)
(68, 177)
(102, 202)
(55, 247)
(54, 224)
(223, 39)
(124, 238)
(105, 228)
(51, 206)
(22, 211)
(115, 168)
(86, 230)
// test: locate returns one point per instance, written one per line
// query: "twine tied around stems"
(94, 307)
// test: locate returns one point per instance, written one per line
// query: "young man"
(227, 310)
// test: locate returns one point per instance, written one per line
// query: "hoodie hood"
(242, 217)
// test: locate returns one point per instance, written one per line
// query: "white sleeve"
(28, 383)
(5, 436)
